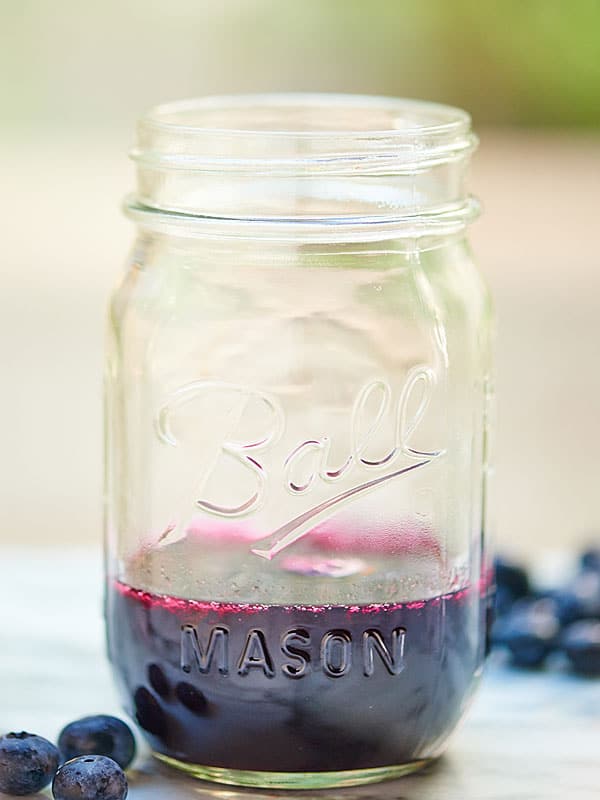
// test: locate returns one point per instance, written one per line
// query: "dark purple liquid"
(295, 688)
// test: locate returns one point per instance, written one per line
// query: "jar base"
(293, 780)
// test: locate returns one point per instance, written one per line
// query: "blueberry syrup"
(294, 687)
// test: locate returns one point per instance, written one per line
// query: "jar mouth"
(329, 133)
(307, 114)
(331, 161)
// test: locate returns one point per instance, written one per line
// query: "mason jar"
(298, 390)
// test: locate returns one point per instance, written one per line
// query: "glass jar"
(297, 390)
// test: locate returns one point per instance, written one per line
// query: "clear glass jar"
(297, 390)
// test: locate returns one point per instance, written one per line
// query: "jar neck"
(304, 167)
(215, 254)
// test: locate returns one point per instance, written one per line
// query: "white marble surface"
(528, 736)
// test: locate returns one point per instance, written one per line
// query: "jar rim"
(402, 112)
(287, 133)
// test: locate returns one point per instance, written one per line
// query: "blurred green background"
(75, 76)
(522, 62)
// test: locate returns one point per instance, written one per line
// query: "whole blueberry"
(530, 632)
(27, 763)
(99, 735)
(504, 600)
(511, 577)
(497, 631)
(90, 778)
(581, 598)
(562, 601)
(590, 559)
(581, 644)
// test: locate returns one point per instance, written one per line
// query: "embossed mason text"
(334, 653)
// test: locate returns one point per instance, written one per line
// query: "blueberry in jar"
(148, 712)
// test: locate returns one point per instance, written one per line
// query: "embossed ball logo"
(308, 462)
